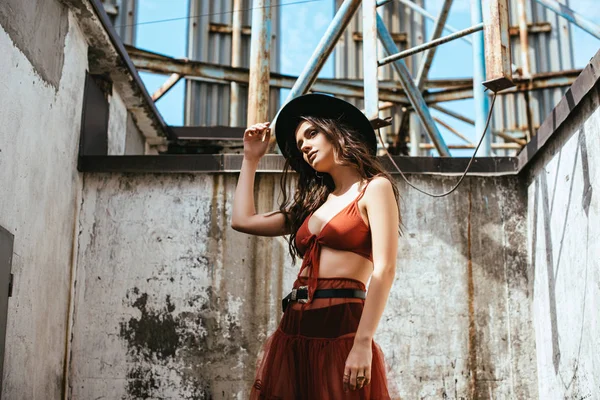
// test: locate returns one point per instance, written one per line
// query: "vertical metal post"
(412, 92)
(498, 74)
(370, 67)
(524, 38)
(482, 105)
(260, 63)
(525, 65)
(236, 61)
(324, 48)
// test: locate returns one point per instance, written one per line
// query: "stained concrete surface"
(564, 251)
(39, 189)
(38, 29)
(172, 303)
(117, 125)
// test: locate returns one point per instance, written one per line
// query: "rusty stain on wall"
(470, 292)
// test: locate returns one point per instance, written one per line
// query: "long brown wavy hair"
(312, 191)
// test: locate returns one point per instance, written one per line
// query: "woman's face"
(315, 147)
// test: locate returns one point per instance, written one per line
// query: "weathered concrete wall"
(172, 303)
(39, 190)
(134, 140)
(38, 29)
(564, 242)
(117, 125)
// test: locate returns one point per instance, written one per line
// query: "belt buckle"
(307, 294)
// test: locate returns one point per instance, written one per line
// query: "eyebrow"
(299, 142)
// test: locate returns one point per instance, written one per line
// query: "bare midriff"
(335, 263)
(342, 264)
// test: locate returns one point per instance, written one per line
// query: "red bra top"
(345, 231)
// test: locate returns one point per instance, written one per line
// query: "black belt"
(301, 295)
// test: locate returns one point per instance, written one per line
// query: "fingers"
(346, 379)
(367, 376)
(362, 379)
(258, 130)
(356, 378)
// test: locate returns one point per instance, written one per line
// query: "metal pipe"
(451, 129)
(571, 16)
(165, 87)
(440, 22)
(480, 99)
(424, 13)
(413, 93)
(370, 69)
(236, 61)
(260, 68)
(429, 45)
(453, 114)
(427, 59)
(324, 48)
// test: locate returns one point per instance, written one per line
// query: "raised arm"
(244, 218)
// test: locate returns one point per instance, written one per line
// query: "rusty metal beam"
(453, 114)
(399, 37)
(452, 130)
(388, 91)
(510, 138)
(214, 27)
(153, 62)
(498, 71)
(165, 87)
(535, 28)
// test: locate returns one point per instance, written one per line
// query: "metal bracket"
(377, 123)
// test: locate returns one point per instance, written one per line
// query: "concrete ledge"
(174, 163)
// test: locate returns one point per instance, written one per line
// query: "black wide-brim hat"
(320, 106)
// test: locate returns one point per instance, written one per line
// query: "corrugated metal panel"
(123, 15)
(207, 104)
(548, 52)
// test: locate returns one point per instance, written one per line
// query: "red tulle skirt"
(305, 357)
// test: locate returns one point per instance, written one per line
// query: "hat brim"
(320, 106)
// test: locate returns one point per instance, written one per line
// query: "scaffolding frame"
(414, 95)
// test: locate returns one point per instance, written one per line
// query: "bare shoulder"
(379, 186)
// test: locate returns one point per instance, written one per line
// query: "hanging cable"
(487, 123)
(219, 13)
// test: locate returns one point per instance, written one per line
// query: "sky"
(305, 24)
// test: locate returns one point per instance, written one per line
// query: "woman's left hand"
(358, 364)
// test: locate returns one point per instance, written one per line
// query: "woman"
(343, 221)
